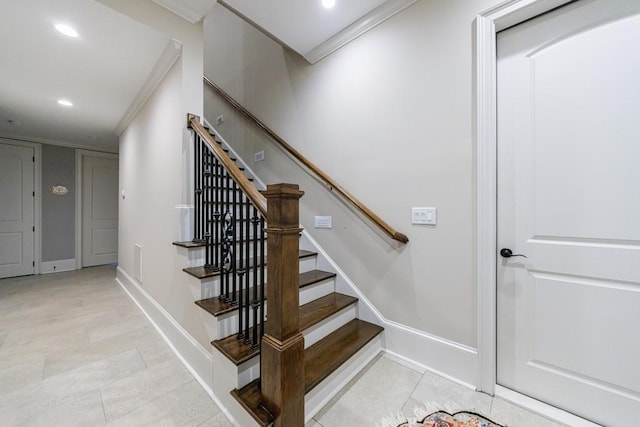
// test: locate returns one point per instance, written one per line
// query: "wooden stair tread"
(321, 308)
(190, 244)
(325, 356)
(250, 398)
(320, 360)
(310, 314)
(217, 307)
(202, 272)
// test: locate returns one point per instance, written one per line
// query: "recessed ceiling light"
(67, 30)
(65, 102)
(328, 3)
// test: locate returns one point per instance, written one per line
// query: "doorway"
(97, 187)
(17, 210)
(565, 182)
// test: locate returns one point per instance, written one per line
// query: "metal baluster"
(247, 255)
(224, 283)
(263, 279)
(196, 188)
(242, 270)
(207, 205)
(234, 278)
(256, 276)
(216, 214)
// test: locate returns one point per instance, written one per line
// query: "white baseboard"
(57, 266)
(454, 361)
(194, 357)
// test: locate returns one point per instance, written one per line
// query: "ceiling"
(101, 71)
(106, 70)
(310, 29)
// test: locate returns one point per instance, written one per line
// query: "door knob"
(508, 253)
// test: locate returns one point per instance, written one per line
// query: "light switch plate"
(323, 222)
(259, 156)
(220, 119)
(423, 216)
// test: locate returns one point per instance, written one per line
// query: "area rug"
(441, 419)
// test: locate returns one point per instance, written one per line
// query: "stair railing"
(330, 183)
(230, 216)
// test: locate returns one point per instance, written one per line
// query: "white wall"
(150, 176)
(389, 116)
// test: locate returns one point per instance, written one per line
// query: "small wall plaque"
(58, 190)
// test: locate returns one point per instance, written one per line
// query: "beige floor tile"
(21, 375)
(75, 356)
(124, 396)
(438, 393)
(217, 421)
(39, 397)
(383, 389)
(81, 411)
(511, 415)
(155, 351)
(188, 405)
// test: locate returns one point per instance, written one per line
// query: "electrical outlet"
(323, 222)
(259, 156)
(220, 119)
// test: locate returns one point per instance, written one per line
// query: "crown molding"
(359, 27)
(168, 57)
(191, 10)
(45, 141)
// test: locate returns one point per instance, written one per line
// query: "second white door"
(569, 200)
(99, 210)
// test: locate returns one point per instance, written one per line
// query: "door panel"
(99, 211)
(569, 199)
(17, 240)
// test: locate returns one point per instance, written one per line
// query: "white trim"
(197, 360)
(80, 154)
(191, 10)
(487, 24)
(35, 140)
(37, 201)
(542, 409)
(169, 56)
(359, 27)
(57, 266)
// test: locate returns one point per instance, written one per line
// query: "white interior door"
(17, 235)
(99, 210)
(569, 199)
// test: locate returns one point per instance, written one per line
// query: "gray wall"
(58, 212)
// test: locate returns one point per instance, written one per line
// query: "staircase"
(230, 260)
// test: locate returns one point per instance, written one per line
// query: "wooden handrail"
(329, 182)
(258, 200)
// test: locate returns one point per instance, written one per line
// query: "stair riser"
(317, 290)
(227, 324)
(210, 287)
(320, 330)
(197, 255)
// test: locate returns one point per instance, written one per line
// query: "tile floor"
(76, 351)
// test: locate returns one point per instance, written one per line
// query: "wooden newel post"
(282, 351)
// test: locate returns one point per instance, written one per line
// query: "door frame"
(80, 155)
(37, 202)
